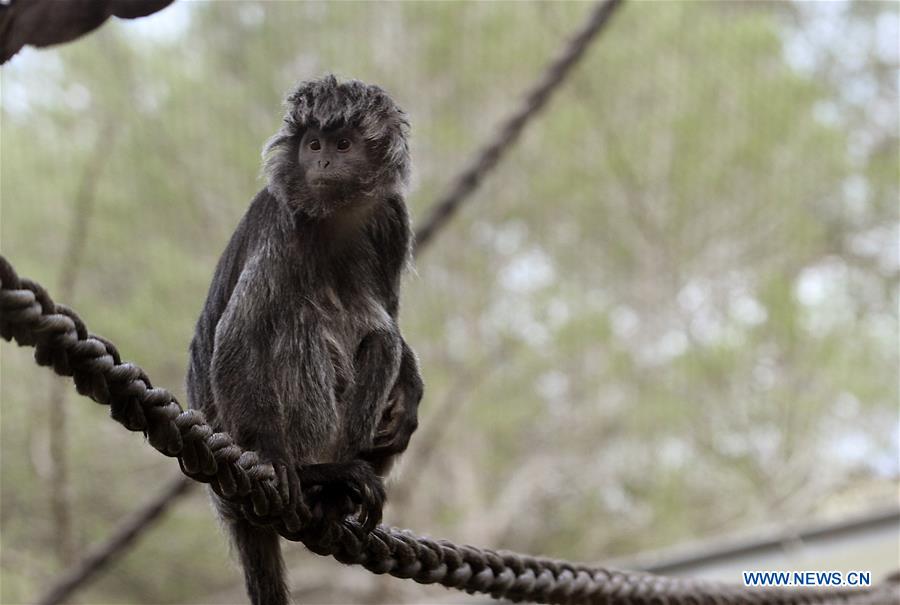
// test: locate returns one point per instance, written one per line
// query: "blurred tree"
(669, 314)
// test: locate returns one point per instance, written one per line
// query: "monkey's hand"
(337, 489)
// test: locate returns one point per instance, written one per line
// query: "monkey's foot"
(337, 489)
(289, 487)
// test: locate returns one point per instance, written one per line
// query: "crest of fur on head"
(325, 103)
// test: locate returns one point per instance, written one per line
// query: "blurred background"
(669, 317)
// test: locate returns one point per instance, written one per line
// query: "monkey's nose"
(324, 163)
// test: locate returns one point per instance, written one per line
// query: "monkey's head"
(341, 144)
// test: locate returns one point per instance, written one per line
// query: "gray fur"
(297, 354)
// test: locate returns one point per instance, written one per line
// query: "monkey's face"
(336, 165)
(341, 145)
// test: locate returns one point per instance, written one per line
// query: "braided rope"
(30, 317)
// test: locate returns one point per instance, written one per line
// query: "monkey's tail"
(260, 551)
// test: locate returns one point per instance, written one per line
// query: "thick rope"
(535, 99)
(61, 340)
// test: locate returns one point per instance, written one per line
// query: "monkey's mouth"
(325, 183)
(332, 187)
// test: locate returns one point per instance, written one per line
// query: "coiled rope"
(61, 341)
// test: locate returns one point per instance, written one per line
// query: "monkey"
(297, 354)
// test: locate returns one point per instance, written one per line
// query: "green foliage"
(670, 308)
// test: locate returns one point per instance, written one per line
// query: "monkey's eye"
(343, 145)
(315, 145)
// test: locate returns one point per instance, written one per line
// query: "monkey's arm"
(392, 238)
(245, 392)
(199, 378)
(226, 375)
(225, 278)
(400, 418)
(376, 364)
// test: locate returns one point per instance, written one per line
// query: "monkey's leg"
(400, 418)
(248, 408)
(270, 443)
(351, 482)
(376, 365)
